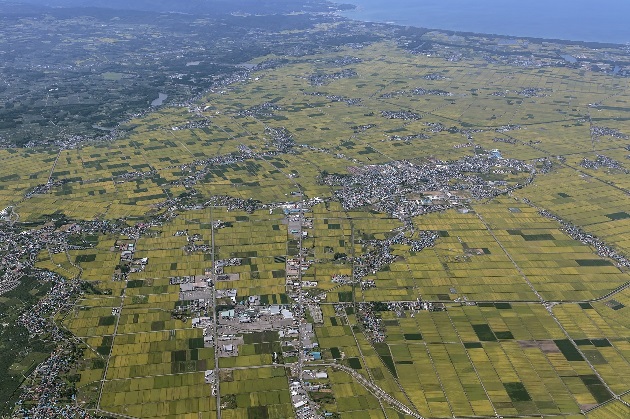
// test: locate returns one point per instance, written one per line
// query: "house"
(188, 286)
(287, 314)
(495, 154)
(435, 195)
(227, 314)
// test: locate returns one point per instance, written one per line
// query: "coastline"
(361, 14)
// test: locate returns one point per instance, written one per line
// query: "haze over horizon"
(180, 6)
(576, 20)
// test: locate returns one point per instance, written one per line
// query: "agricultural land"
(406, 224)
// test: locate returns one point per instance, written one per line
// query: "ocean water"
(577, 20)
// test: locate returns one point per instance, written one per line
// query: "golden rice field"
(505, 354)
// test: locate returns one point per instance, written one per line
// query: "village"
(328, 286)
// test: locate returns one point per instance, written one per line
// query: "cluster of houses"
(603, 161)
(128, 262)
(404, 189)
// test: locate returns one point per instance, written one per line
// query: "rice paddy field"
(534, 321)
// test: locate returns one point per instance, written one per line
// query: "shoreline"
(537, 39)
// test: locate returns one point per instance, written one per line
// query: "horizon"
(570, 20)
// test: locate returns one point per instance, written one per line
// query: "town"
(317, 218)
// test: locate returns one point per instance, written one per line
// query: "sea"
(606, 21)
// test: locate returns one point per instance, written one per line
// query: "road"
(109, 356)
(217, 386)
(549, 307)
(376, 391)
